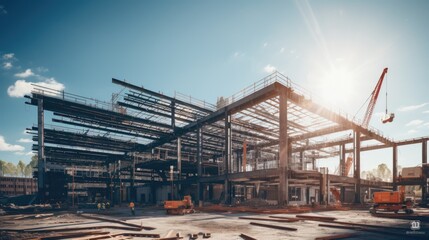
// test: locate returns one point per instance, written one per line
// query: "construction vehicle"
(179, 207)
(392, 201)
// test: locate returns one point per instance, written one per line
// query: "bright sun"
(337, 86)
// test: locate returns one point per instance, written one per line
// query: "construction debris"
(115, 221)
(273, 226)
(337, 236)
(270, 219)
(316, 217)
(247, 237)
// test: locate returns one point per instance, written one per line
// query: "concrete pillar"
(41, 165)
(301, 161)
(199, 165)
(228, 154)
(356, 144)
(395, 167)
(283, 152)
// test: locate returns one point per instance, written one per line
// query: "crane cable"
(386, 94)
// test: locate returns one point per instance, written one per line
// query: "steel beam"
(283, 151)
(357, 140)
(41, 164)
(199, 162)
(227, 155)
(395, 166)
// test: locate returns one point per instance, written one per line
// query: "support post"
(244, 161)
(179, 167)
(132, 182)
(41, 165)
(200, 168)
(228, 151)
(357, 165)
(424, 162)
(395, 167)
(301, 160)
(343, 169)
(173, 114)
(283, 152)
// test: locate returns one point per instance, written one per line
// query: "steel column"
(41, 167)
(425, 151)
(200, 195)
(227, 158)
(283, 152)
(132, 174)
(356, 142)
(395, 166)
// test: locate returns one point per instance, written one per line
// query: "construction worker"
(98, 206)
(132, 208)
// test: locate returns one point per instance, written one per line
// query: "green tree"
(10, 169)
(383, 172)
(21, 168)
(2, 167)
(34, 161)
(30, 166)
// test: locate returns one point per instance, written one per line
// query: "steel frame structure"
(278, 125)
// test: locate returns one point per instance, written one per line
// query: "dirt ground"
(221, 225)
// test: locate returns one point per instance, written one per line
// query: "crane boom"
(373, 101)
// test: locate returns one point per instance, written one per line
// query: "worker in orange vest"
(132, 208)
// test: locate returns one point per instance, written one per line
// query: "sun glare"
(337, 87)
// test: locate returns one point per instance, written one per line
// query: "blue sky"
(336, 49)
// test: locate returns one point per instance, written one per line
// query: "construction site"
(244, 167)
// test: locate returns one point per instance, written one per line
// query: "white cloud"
(269, 68)
(22, 87)
(412, 131)
(411, 107)
(282, 50)
(265, 44)
(25, 74)
(4, 146)
(414, 123)
(20, 153)
(7, 65)
(8, 56)
(427, 111)
(29, 153)
(25, 140)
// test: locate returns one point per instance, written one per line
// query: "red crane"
(373, 101)
(368, 114)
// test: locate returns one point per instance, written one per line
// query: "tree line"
(19, 170)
